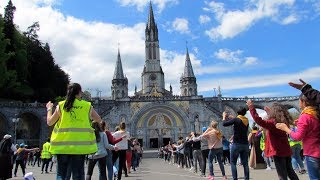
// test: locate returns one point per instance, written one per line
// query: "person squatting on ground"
(72, 136)
(7, 149)
(45, 156)
(240, 145)
(214, 138)
(101, 155)
(280, 148)
(308, 130)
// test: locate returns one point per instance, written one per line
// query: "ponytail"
(73, 90)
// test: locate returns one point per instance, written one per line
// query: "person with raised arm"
(72, 137)
(307, 90)
(308, 131)
(279, 145)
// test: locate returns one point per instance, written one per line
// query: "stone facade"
(153, 114)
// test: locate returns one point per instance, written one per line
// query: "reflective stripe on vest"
(292, 143)
(73, 133)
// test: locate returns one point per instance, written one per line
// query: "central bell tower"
(152, 76)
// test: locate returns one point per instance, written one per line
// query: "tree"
(9, 31)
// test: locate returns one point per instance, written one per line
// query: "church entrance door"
(165, 141)
(154, 143)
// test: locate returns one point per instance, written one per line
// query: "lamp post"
(15, 121)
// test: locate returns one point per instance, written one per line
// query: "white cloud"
(250, 60)
(228, 55)
(235, 57)
(181, 25)
(204, 19)
(290, 19)
(243, 82)
(234, 22)
(141, 4)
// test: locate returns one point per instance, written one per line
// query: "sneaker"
(268, 168)
(191, 168)
(224, 178)
(210, 177)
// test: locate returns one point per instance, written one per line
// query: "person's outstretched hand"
(249, 103)
(298, 86)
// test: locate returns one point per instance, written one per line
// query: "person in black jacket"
(307, 90)
(240, 146)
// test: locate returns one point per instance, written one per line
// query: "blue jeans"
(219, 153)
(70, 164)
(296, 158)
(109, 165)
(313, 165)
(243, 151)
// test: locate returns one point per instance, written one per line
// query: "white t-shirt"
(123, 144)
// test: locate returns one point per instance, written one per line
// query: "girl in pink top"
(214, 137)
(309, 132)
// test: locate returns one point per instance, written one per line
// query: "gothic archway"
(158, 122)
(28, 129)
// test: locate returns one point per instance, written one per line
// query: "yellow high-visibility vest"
(262, 142)
(73, 133)
(45, 154)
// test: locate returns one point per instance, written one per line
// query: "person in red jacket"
(112, 141)
(279, 145)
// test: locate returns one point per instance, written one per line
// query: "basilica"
(153, 114)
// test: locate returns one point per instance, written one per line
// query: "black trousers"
(45, 162)
(284, 168)
(121, 154)
(226, 155)
(22, 165)
(205, 154)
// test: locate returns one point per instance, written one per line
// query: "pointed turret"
(188, 70)
(151, 29)
(188, 82)
(118, 72)
(119, 86)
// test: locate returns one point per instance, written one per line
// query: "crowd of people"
(79, 134)
(79, 137)
(277, 137)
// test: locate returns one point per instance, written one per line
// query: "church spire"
(188, 70)
(118, 72)
(151, 29)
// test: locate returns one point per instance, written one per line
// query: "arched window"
(117, 94)
(149, 51)
(154, 51)
(190, 92)
(123, 94)
(185, 92)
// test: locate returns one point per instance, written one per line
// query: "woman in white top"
(123, 146)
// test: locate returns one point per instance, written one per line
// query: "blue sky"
(249, 48)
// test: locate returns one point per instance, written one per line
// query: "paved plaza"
(157, 169)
